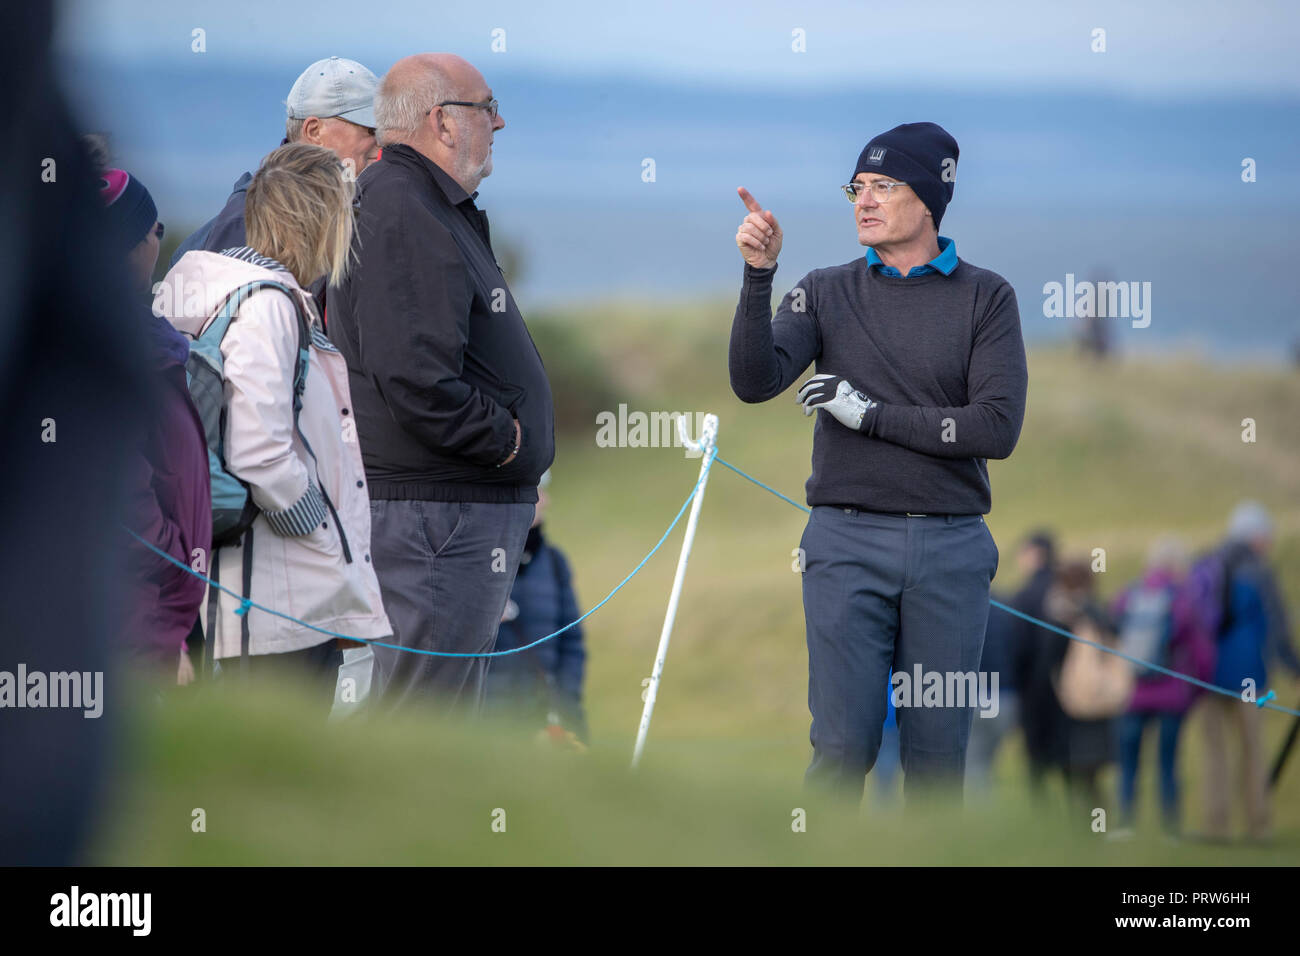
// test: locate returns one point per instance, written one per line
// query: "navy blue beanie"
(130, 209)
(923, 155)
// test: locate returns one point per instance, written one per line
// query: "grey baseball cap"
(335, 86)
(1250, 520)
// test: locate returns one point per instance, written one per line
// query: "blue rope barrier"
(245, 603)
(1235, 695)
(727, 464)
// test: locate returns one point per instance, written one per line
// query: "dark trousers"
(891, 591)
(445, 569)
(1131, 727)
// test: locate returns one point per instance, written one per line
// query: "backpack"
(1209, 588)
(1148, 626)
(233, 510)
(1093, 685)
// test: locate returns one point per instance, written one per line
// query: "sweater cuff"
(869, 419)
(883, 422)
(755, 276)
(301, 518)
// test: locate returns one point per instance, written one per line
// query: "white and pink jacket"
(311, 561)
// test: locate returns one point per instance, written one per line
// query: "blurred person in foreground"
(1252, 630)
(171, 502)
(452, 403)
(331, 104)
(920, 377)
(1159, 623)
(1006, 643)
(542, 685)
(291, 440)
(73, 403)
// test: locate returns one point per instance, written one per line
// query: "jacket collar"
(450, 188)
(253, 257)
(247, 254)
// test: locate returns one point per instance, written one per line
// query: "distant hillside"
(1050, 183)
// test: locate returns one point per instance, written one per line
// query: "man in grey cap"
(332, 105)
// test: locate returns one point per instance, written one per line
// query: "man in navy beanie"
(920, 378)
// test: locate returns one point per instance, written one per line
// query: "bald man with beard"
(452, 404)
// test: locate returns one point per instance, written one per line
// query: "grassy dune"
(1109, 457)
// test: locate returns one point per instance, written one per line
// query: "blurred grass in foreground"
(1110, 456)
(277, 789)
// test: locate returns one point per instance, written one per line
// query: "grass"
(1109, 457)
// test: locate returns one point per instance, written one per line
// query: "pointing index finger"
(750, 202)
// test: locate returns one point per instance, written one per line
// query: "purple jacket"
(1191, 651)
(170, 506)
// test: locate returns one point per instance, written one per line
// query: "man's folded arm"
(413, 344)
(767, 354)
(989, 425)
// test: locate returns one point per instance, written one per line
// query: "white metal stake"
(705, 445)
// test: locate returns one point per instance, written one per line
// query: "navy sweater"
(942, 354)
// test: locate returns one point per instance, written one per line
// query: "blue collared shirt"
(944, 262)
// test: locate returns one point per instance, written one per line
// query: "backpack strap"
(304, 353)
(217, 328)
(214, 593)
(214, 596)
(245, 635)
(1231, 562)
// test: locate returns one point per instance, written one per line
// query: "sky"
(1156, 49)
(1126, 162)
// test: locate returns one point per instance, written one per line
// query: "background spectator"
(1158, 623)
(544, 684)
(306, 554)
(1253, 630)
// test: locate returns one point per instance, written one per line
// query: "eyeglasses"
(491, 105)
(881, 190)
(158, 231)
(368, 130)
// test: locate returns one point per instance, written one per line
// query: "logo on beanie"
(875, 155)
(112, 183)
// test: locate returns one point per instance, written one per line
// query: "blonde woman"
(290, 441)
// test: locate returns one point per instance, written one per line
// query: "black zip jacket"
(440, 362)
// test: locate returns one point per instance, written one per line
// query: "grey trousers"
(445, 569)
(882, 591)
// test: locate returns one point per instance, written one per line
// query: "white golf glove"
(838, 396)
